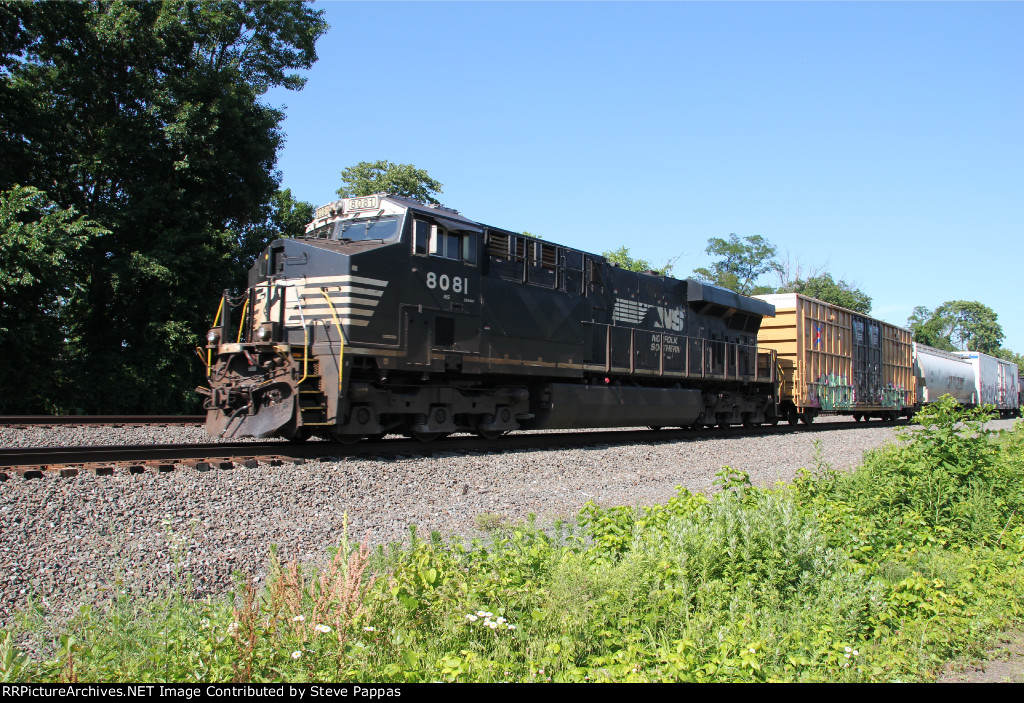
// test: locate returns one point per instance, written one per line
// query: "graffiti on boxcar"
(831, 392)
(894, 397)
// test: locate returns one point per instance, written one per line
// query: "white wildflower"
(369, 628)
(471, 617)
(299, 618)
(296, 654)
(324, 629)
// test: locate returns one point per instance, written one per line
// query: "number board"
(325, 210)
(367, 203)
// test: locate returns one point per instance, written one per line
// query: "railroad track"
(35, 462)
(24, 421)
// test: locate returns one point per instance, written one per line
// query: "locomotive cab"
(341, 299)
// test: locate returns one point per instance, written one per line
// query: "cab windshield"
(382, 229)
(379, 229)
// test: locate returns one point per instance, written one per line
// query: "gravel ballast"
(84, 539)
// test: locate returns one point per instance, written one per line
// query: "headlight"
(213, 336)
(264, 333)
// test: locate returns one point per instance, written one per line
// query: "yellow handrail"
(305, 355)
(341, 335)
(209, 352)
(241, 320)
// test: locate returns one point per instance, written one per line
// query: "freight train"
(392, 316)
(395, 316)
(837, 361)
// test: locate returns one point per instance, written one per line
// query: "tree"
(366, 178)
(791, 269)
(146, 118)
(1011, 356)
(839, 293)
(928, 330)
(38, 243)
(958, 324)
(283, 217)
(742, 262)
(621, 257)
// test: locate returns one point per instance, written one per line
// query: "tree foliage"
(38, 246)
(405, 180)
(741, 262)
(840, 293)
(282, 216)
(958, 324)
(622, 257)
(146, 118)
(1011, 356)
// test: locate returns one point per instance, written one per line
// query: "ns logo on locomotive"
(392, 316)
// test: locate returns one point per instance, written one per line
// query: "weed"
(488, 522)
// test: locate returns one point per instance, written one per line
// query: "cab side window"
(436, 240)
(420, 236)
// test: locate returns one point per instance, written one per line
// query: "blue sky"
(884, 140)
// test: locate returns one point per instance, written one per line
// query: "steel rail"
(99, 420)
(60, 457)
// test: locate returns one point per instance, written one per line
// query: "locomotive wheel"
(793, 418)
(375, 437)
(807, 417)
(654, 427)
(489, 434)
(857, 417)
(347, 438)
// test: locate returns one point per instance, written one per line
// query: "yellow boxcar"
(837, 361)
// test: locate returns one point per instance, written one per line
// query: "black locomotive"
(392, 316)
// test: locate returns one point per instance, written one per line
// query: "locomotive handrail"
(241, 320)
(341, 336)
(305, 333)
(718, 359)
(209, 352)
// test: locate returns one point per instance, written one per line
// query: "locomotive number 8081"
(392, 316)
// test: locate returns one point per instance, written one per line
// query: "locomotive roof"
(696, 291)
(386, 203)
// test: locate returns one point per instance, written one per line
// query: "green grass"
(882, 574)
